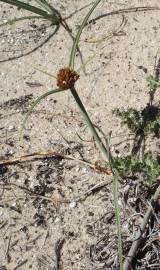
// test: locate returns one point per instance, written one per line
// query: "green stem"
(89, 123)
(118, 221)
(109, 158)
(77, 38)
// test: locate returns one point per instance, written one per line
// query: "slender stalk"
(89, 123)
(36, 102)
(118, 221)
(102, 148)
(108, 157)
(51, 7)
(75, 44)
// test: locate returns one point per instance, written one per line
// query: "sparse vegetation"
(131, 166)
(146, 121)
(142, 123)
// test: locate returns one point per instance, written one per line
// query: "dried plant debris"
(136, 198)
(17, 103)
(47, 177)
(103, 254)
(100, 226)
(3, 170)
(22, 203)
(144, 233)
(51, 263)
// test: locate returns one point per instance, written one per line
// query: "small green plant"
(153, 82)
(131, 166)
(141, 123)
(146, 121)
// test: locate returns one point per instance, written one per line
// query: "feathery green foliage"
(142, 123)
(132, 166)
(146, 121)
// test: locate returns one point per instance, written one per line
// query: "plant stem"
(90, 125)
(108, 157)
(118, 221)
(77, 38)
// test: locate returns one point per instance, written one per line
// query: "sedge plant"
(66, 79)
(41, 10)
(44, 11)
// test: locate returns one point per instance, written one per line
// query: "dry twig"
(136, 243)
(49, 154)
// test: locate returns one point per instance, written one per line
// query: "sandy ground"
(31, 225)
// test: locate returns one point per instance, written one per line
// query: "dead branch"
(49, 154)
(136, 243)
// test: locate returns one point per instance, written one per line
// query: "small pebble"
(13, 204)
(10, 128)
(77, 169)
(11, 152)
(84, 170)
(72, 205)
(57, 220)
(125, 226)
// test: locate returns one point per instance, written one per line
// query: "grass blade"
(50, 16)
(90, 125)
(98, 140)
(118, 221)
(45, 72)
(108, 157)
(44, 5)
(21, 19)
(77, 38)
(52, 9)
(36, 102)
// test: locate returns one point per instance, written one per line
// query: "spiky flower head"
(66, 78)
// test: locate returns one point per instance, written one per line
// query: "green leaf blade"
(77, 38)
(53, 17)
(36, 102)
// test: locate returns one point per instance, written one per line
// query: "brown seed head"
(66, 78)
